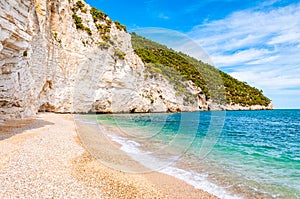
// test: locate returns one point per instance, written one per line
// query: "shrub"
(104, 45)
(88, 30)
(84, 10)
(56, 37)
(109, 22)
(156, 70)
(120, 26)
(79, 24)
(78, 21)
(105, 37)
(120, 54)
(97, 15)
(102, 28)
(79, 4)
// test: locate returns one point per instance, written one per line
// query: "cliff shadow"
(13, 127)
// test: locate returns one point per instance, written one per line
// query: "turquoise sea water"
(247, 154)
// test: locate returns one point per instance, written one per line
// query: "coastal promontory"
(65, 56)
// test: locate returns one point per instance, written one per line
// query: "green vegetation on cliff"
(77, 20)
(120, 26)
(215, 84)
(120, 54)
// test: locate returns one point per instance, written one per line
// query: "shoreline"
(169, 185)
(45, 158)
(127, 140)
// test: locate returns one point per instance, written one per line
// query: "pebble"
(41, 166)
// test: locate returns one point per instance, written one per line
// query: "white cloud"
(291, 37)
(268, 79)
(259, 46)
(163, 16)
(265, 60)
(239, 57)
(246, 28)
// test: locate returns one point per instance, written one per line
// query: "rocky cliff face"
(55, 56)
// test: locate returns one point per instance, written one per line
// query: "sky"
(257, 42)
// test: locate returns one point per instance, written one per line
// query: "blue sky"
(254, 41)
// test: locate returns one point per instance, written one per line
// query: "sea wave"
(197, 180)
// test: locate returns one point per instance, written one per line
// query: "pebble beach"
(43, 157)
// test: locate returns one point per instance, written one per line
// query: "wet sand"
(43, 157)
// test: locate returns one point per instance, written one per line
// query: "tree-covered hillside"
(217, 85)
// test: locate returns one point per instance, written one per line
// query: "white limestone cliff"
(47, 64)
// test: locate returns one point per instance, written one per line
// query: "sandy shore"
(43, 157)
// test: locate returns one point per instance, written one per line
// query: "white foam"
(127, 146)
(199, 181)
